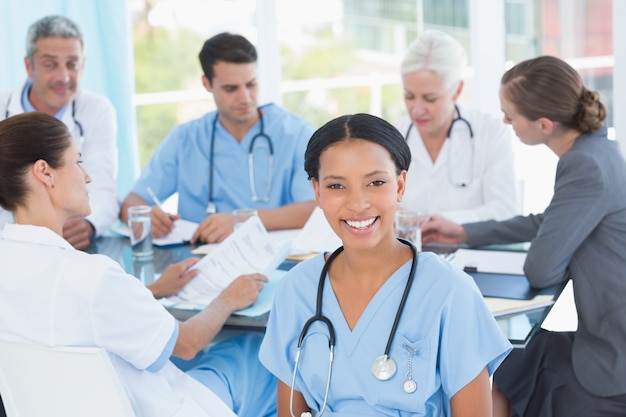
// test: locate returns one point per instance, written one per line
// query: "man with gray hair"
(55, 58)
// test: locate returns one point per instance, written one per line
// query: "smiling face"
(55, 69)
(358, 190)
(429, 103)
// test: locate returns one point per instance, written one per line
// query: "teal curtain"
(109, 68)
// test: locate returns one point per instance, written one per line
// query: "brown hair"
(226, 47)
(547, 86)
(24, 139)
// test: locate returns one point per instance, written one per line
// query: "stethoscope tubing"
(331, 330)
(211, 209)
(76, 122)
(457, 118)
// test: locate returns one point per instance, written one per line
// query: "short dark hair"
(51, 27)
(549, 87)
(24, 139)
(225, 47)
(357, 126)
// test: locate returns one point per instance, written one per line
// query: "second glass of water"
(408, 227)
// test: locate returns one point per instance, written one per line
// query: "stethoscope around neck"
(81, 136)
(457, 118)
(383, 367)
(211, 207)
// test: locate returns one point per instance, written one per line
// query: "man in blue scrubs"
(240, 156)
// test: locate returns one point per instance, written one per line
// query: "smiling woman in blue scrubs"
(409, 334)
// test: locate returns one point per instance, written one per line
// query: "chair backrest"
(60, 381)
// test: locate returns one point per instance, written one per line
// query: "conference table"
(518, 326)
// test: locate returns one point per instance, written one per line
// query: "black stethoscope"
(81, 136)
(211, 208)
(383, 367)
(457, 118)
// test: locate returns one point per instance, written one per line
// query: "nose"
(87, 177)
(416, 108)
(357, 200)
(245, 95)
(505, 120)
(63, 74)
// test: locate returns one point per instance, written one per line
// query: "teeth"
(361, 224)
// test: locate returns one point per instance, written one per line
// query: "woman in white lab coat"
(462, 159)
(52, 294)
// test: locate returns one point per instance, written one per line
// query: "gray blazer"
(581, 235)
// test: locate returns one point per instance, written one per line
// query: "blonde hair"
(438, 52)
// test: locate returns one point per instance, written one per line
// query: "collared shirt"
(28, 106)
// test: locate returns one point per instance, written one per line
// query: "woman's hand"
(243, 291)
(174, 278)
(438, 229)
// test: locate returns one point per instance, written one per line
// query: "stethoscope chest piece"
(383, 368)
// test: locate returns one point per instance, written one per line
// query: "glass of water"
(408, 227)
(140, 231)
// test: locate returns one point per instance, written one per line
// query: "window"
(343, 56)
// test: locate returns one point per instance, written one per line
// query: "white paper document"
(247, 250)
(182, 233)
(316, 236)
(502, 262)
(563, 317)
(278, 237)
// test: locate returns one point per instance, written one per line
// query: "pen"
(154, 198)
(158, 204)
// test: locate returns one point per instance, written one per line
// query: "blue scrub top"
(182, 164)
(445, 322)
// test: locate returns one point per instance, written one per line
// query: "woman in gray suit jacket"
(581, 235)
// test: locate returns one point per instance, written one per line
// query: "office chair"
(60, 381)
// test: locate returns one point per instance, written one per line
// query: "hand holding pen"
(162, 222)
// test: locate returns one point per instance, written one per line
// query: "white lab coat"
(485, 168)
(55, 295)
(99, 151)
